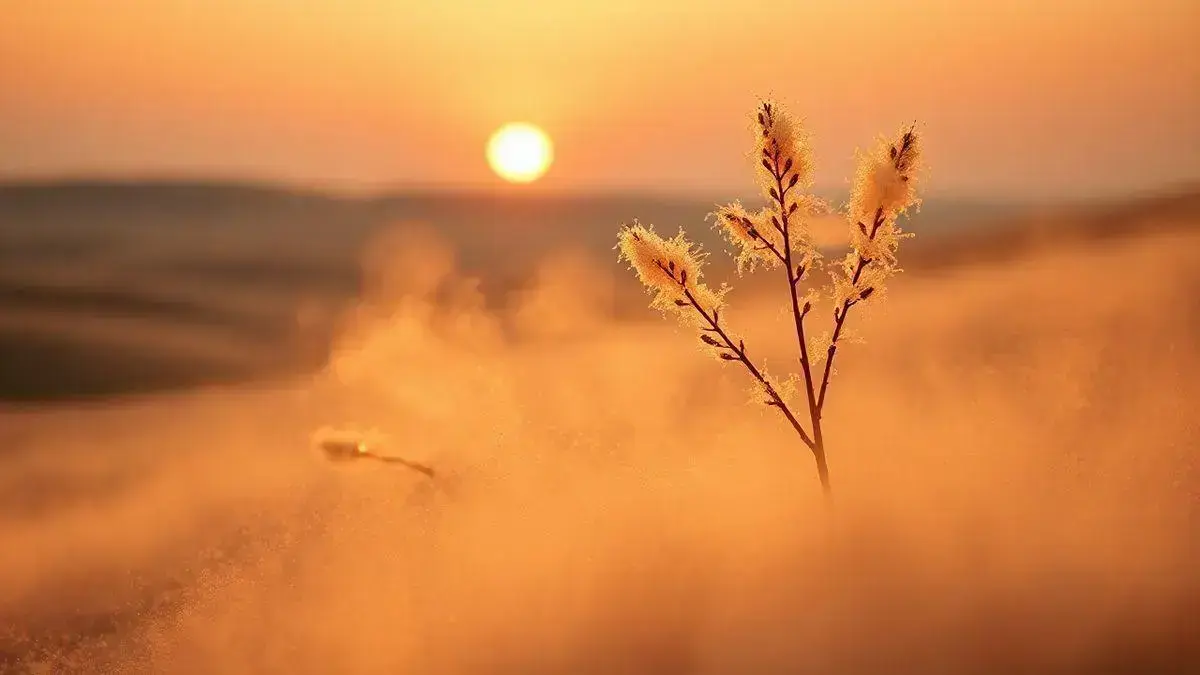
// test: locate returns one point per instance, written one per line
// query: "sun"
(520, 152)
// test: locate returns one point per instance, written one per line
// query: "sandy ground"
(1014, 452)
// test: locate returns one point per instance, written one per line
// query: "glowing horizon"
(1025, 97)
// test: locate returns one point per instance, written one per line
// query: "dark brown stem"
(839, 316)
(408, 464)
(793, 276)
(739, 353)
(738, 350)
(772, 248)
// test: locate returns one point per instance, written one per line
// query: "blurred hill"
(121, 288)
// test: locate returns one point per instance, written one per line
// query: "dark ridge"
(197, 194)
(51, 250)
(281, 247)
(269, 274)
(46, 368)
(93, 301)
(1093, 224)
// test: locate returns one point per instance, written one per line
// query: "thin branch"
(840, 316)
(771, 161)
(738, 350)
(794, 275)
(770, 247)
(408, 464)
(753, 232)
(345, 450)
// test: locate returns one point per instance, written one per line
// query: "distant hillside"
(58, 218)
(305, 233)
(1011, 238)
(122, 288)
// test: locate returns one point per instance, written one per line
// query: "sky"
(1017, 98)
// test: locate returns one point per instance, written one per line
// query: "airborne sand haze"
(1014, 450)
(1019, 489)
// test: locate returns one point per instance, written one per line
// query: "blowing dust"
(1013, 452)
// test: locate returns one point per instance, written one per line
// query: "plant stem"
(840, 316)
(739, 352)
(415, 466)
(793, 278)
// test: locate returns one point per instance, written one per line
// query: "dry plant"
(778, 235)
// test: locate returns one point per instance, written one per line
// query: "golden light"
(519, 152)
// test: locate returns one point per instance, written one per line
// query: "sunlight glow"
(520, 153)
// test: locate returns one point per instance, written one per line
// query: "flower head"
(782, 149)
(669, 268)
(886, 179)
(757, 238)
(885, 186)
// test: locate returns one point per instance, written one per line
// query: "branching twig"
(408, 464)
(735, 352)
(839, 315)
(884, 188)
(795, 273)
(343, 450)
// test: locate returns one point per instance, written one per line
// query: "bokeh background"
(227, 227)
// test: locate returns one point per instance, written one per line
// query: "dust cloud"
(1013, 451)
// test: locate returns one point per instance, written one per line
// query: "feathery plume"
(885, 187)
(669, 268)
(779, 235)
(758, 241)
(886, 179)
(782, 148)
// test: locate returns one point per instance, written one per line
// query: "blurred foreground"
(1013, 452)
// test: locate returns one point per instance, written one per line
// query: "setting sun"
(520, 153)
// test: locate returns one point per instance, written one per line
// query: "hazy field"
(1013, 452)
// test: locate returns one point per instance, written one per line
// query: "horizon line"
(520, 191)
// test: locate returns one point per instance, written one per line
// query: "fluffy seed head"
(782, 149)
(669, 268)
(756, 238)
(661, 264)
(886, 178)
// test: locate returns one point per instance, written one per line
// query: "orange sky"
(1019, 97)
